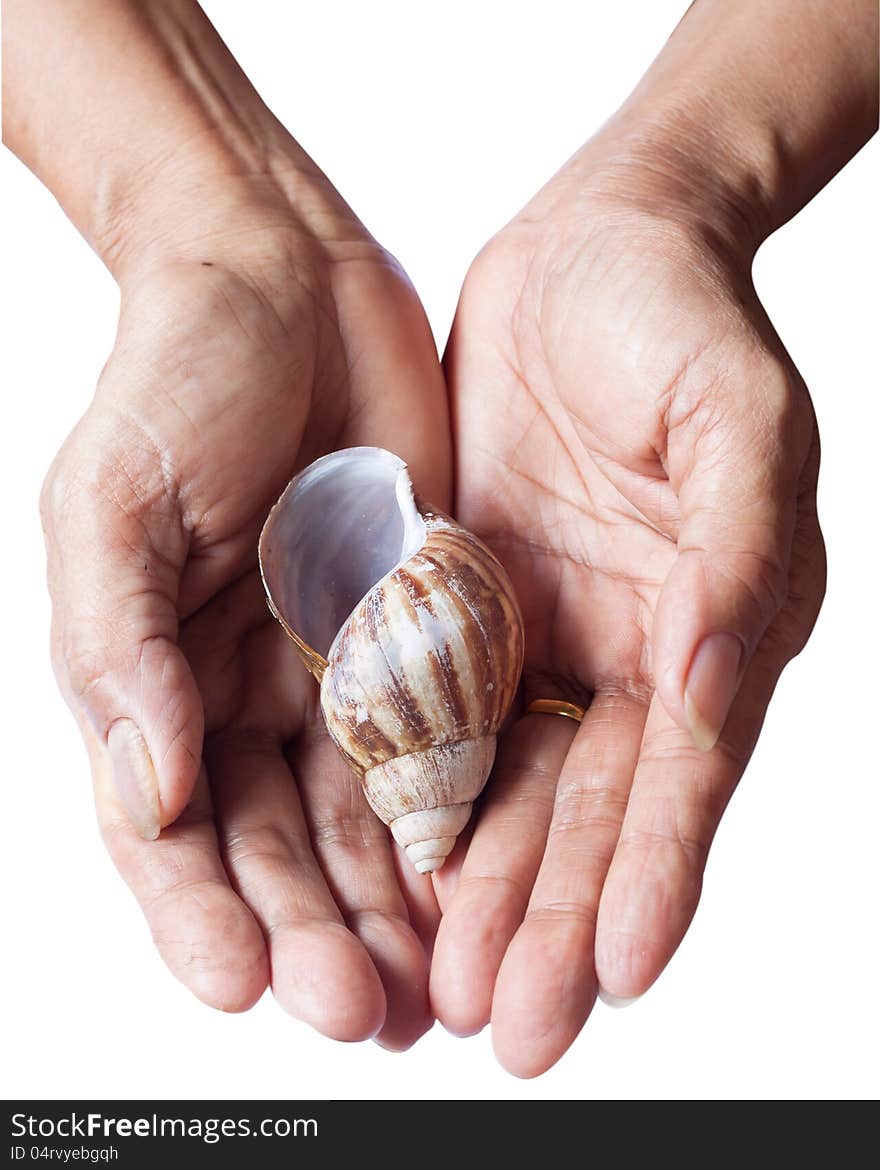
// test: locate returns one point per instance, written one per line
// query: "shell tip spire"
(427, 856)
(429, 864)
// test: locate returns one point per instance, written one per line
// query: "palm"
(564, 386)
(588, 567)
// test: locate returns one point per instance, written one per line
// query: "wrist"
(750, 109)
(746, 113)
(168, 148)
(200, 205)
(665, 165)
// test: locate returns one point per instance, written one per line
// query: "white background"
(437, 122)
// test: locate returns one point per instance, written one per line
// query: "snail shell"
(410, 625)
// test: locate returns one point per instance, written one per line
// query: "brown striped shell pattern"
(411, 627)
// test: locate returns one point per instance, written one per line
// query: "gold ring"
(556, 707)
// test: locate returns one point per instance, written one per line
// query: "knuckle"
(565, 913)
(271, 847)
(669, 758)
(86, 666)
(668, 851)
(93, 657)
(755, 408)
(342, 819)
(761, 578)
(171, 881)
(111, 468)
(780, 416)
(94, 664)
(493, 886)
(357, 832)
(170, 869)
(57, 491)
(598, 803)
(790, 631)
(369, 921)
(783, 396)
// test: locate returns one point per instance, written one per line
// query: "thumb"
(735, 467)
(116, 546)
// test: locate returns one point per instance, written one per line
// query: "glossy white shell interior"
(341, 526)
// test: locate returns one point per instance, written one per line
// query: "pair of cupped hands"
(616, 418)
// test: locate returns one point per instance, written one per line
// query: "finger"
(445, 879)
(116, 545)
(202, 929)
(547, 984)
(389, 349)
(320, 973)
(354, 851)
(421, 900)
(678, 796)
(498, 871)
(735, 462)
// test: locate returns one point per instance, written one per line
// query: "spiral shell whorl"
(425, 797)
(418, 683)
(431, 656)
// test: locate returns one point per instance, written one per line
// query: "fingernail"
(616, 1001)
(135, 777)
(712, 683)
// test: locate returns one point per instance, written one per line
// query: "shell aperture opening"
(341, 526)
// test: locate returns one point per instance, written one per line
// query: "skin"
(635, 442)
(630, 436)
(256, 331)
(593, 841)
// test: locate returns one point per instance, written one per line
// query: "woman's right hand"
(250, 341)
